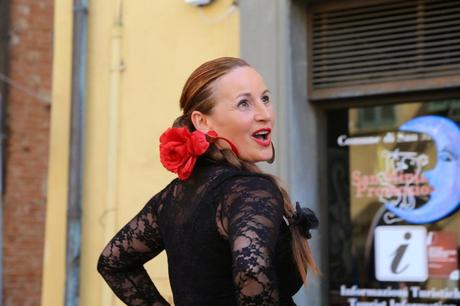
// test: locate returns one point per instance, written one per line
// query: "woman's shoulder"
(243, 182)
(231, 179)
(240, 177)
(219, 170)
(231, 175)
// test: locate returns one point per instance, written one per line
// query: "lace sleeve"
(121, 262)
(252, 212)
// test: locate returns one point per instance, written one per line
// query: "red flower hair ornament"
(180, 148)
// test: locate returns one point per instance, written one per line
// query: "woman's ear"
(200, 121)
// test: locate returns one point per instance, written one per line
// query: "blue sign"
(444, 178)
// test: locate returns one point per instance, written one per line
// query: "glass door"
(393, 204)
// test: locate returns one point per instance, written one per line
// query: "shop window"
(372, 118)
(451, 107)
(393, 204)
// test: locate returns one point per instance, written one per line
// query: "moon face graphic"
(444, 178)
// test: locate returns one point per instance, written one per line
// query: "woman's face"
(243, 113)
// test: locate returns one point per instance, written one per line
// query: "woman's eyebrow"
(244, 94)
(247, 94)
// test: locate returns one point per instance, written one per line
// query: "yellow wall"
(54, 254)
(140, 53)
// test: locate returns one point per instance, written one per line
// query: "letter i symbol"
(398, 254)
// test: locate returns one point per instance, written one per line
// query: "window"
(393, 204)
(375, 47)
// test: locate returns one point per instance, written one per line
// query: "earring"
(213, 137)
(271, 160)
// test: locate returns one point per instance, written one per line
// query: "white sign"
(401, 253)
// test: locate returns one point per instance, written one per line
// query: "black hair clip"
(304, 219)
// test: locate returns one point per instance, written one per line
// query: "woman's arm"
(253, 210)
(121, 262)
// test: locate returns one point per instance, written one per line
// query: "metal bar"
(363, 21)
(452, 54)
(324, 33)
(388, 51)
(392, 36)
(411, 39)
(377, 81)
(404, 55)
(386, 31)
(346, 13)
(345, 29)
(75, 180)
(374, 67)
(383, 15)
(412, 72)
(447, 87)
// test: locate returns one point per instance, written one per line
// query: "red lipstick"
(262, 136)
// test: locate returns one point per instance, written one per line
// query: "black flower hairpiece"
(304, 219)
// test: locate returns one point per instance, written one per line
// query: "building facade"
(25, 97)
(368, 95)
(367, 100)
(138, 57)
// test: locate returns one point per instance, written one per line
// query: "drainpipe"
(77, 131)
(4, 47)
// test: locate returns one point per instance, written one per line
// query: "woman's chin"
(262, 158)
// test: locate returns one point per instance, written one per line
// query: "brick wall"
(28, 112)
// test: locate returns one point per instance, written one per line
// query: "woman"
(230, 232)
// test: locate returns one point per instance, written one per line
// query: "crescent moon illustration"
(444, 178)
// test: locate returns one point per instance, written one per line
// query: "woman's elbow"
(102, 265)
(106, 263)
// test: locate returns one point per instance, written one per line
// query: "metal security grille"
(378, 46)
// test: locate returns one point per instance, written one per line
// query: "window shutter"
(375, 47)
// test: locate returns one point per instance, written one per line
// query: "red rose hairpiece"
(180, 148)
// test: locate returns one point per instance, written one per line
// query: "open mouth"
(262, 136)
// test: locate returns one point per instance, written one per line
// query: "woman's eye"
(266, 99)
(243, 104)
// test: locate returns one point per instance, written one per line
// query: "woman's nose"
(263, 112)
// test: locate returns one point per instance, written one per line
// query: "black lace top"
(225, 239)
